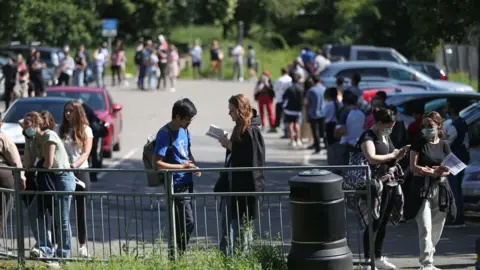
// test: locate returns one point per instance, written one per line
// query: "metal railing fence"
(126, 223)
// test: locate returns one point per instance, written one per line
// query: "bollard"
(477, 251)
(318, 222)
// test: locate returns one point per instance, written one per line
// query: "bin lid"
(315, 172)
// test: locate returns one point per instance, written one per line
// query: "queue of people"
(405, 161)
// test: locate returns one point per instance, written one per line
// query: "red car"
(101, 102)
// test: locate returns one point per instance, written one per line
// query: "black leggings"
(116, 70)
(329, 133)
(163, 75)
(80, 208)
(64, 79)
(380, 224)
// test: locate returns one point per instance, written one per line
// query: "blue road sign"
(109, 27)
(109, 24)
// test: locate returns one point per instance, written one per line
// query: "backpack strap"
(190, 155)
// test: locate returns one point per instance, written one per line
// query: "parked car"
(407, 100)
(393, 71)
(55, 106)
(100, 100)
(431, 69)
(21, 107)
(361, 52)
(471, 178)
(48, 54)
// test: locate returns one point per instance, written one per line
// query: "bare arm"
(49, 155)
(87, 148)
(160, 164)
(368, 149)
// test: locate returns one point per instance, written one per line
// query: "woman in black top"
(245, 148)
(10, 74)
(381, 155)
(430, 197)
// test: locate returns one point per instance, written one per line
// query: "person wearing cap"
(264, 94)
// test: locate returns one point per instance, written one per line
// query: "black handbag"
(223, 183)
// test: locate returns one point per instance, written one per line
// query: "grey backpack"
(155, 179)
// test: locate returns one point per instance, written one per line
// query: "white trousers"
(430, 223)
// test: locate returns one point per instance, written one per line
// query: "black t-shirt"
(214, 54)
(380, 147)
(430, 154)
(79, 57)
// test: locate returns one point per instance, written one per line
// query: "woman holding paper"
(430, 197)
(245, 148)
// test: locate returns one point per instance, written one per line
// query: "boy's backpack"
(139, 58)
(155, 179)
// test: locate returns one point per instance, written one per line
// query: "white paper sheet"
(216, 132)
(453, 163)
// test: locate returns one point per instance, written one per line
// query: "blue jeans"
(455, 182)
(38, 222)
(152, 76)
(78, 77)
(142, 72)
(98, 75)
(235, 237)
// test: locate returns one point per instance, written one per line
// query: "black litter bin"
(318, 222)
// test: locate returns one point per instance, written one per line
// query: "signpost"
(109, 30)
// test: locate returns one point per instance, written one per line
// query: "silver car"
(386, 69)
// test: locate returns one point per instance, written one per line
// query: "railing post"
(172, 239)
(19, 213)
(371, 242)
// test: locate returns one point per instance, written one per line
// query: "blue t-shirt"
(179, 151)
(315, 102)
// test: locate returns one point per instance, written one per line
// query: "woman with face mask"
(430, 197)
(378, 149)
(49, 152)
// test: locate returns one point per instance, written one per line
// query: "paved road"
(137, 223)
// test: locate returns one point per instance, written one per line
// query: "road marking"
(118, 162)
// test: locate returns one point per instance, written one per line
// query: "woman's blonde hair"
(243, 109)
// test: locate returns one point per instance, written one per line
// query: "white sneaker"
(368, 267)
(36, 253)
(172, 89)
(299, 143)
(293, 144)
(384, 264)
(240, 79)
(83, 252)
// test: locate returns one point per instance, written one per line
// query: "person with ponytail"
(245, 148)
(48, 152)
(77, 136)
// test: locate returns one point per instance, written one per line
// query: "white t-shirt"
(100, 59)
(237, 53)
(73, 150)
(196, 54)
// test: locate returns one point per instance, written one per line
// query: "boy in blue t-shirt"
(178, 156)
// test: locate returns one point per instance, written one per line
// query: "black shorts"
(291, 118)
(196, 64)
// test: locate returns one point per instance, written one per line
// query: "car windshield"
(20, 109)
(400, 58)
(94, 100)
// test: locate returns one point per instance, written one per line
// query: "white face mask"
(386, 131)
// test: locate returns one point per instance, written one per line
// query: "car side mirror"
(117, 107)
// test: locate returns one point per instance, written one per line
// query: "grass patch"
(263, 257)
(463, 77)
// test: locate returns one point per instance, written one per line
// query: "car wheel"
(116, 147)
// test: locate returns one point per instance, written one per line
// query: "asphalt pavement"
(140, 224)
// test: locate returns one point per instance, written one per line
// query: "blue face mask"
(428, 132)
(30, 132)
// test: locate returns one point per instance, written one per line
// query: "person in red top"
(415, 129)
